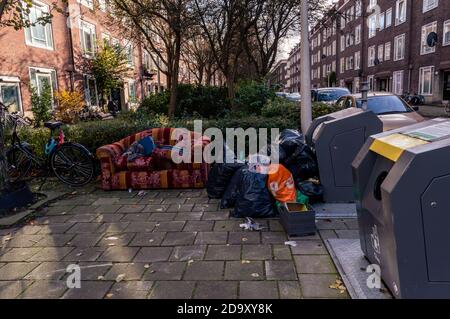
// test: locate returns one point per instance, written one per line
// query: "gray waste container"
(402, 181)
(336, 139)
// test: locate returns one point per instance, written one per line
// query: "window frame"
(422, 71)
(48, 30)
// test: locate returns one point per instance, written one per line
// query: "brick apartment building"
(293, 70)
(55, 53)
(278, 76)
(385, 42)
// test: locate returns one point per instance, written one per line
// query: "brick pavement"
(166, 244)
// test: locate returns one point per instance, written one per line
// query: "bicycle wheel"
(73, 165)
(19, 164)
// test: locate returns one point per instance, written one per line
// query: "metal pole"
(306, 108)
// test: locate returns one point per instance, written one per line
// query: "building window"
(88, 38)
(426, 30)
(10, 94)
(342, 65)
(388, 19)
(372, 25)
(358, 34)
(358, 9)
(87, 3)
(387, 51)
(426, 80)
(40, 77)
(381, 21)
(397, 78)
(446, 38)
(400, 11)
(357, 60)
(38, 35)
(102, 5)
(132, 93)
(381, 53)
(342, 43)
(399, 47)
(430, 5)
(129, 51)
(90, 91)
(371, 56)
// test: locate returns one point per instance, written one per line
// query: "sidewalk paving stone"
(280, 270)
(138, 217)
(19, 254)
(211, 238)
(85, 254)
(289, 290)
(258, 290)
(119, 254)
(244, 238)
(281, 252)
(48, 271)
(16, 270)
(309, 247)
(188, 216)
(347, 233)
(223, 252)
(55, 228)
(198, 225)
(205, 270)
(170, 226)
(165, 271)
(132, 271)
(147, 239)
(318, 286)
(136, 227)
(175, 208)
(89, 290)
(179, 238)
(162, 216)
(51, 254)
(116, 239)
(256, 252)
(54, 240)
(152, 254)
(314, 264)
(45, 289)
(130, 290)
(172, 290)
(186, 253)
(12, 289)
(84, 240)
(155, 208)
(92, 271)
(109, 208)
(22, 241)
(244, 270)
(131, 208)
(80, 228)
(216, 290)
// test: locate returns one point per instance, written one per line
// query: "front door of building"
(383, 85)
(446, 95)
(116, 96)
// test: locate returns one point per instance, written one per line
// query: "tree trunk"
(231, 92)
(174, 76)
(3, 163)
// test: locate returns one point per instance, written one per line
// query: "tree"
(277, 20)
(109, 67)
(41, 104)
(226, 24)
(160, 25)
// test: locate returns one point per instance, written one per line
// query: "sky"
(291, 42)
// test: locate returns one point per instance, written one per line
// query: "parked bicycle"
(11, 117)
(71, 163)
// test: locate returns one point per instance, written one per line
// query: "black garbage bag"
(231, 191)
(219, 177)
(249, 195)
(314, 191)
(289, 140)
(302, 163)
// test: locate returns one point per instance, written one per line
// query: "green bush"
(279, 107)
(207, 101)
(155, 103)
(41, 104)
(251, 96)
(320, 109)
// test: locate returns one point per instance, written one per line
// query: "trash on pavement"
(281, 183)
(251, 224)
(291, 243)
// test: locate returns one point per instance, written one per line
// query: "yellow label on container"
(393, 146)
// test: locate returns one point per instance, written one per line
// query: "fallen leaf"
(112, 238)
(245, 261)
(255, 275)
(190, 261)
(101, 278)
(244, 239)
(120, 277)
(110, 295)
(146, 266)
(79, 254)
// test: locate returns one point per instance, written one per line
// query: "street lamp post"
(306, 112)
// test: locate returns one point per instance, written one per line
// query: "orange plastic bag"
(281, 183)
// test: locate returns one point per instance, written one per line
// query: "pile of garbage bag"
(252, 188)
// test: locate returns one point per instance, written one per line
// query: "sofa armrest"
(106, 155)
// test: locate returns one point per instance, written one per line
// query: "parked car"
(393, 111)
(328, 95)
(281, 94)
(294, 97)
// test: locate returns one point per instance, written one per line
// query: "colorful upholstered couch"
(156, 171)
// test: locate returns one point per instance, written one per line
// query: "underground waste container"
(336, 139)
(402, 184)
